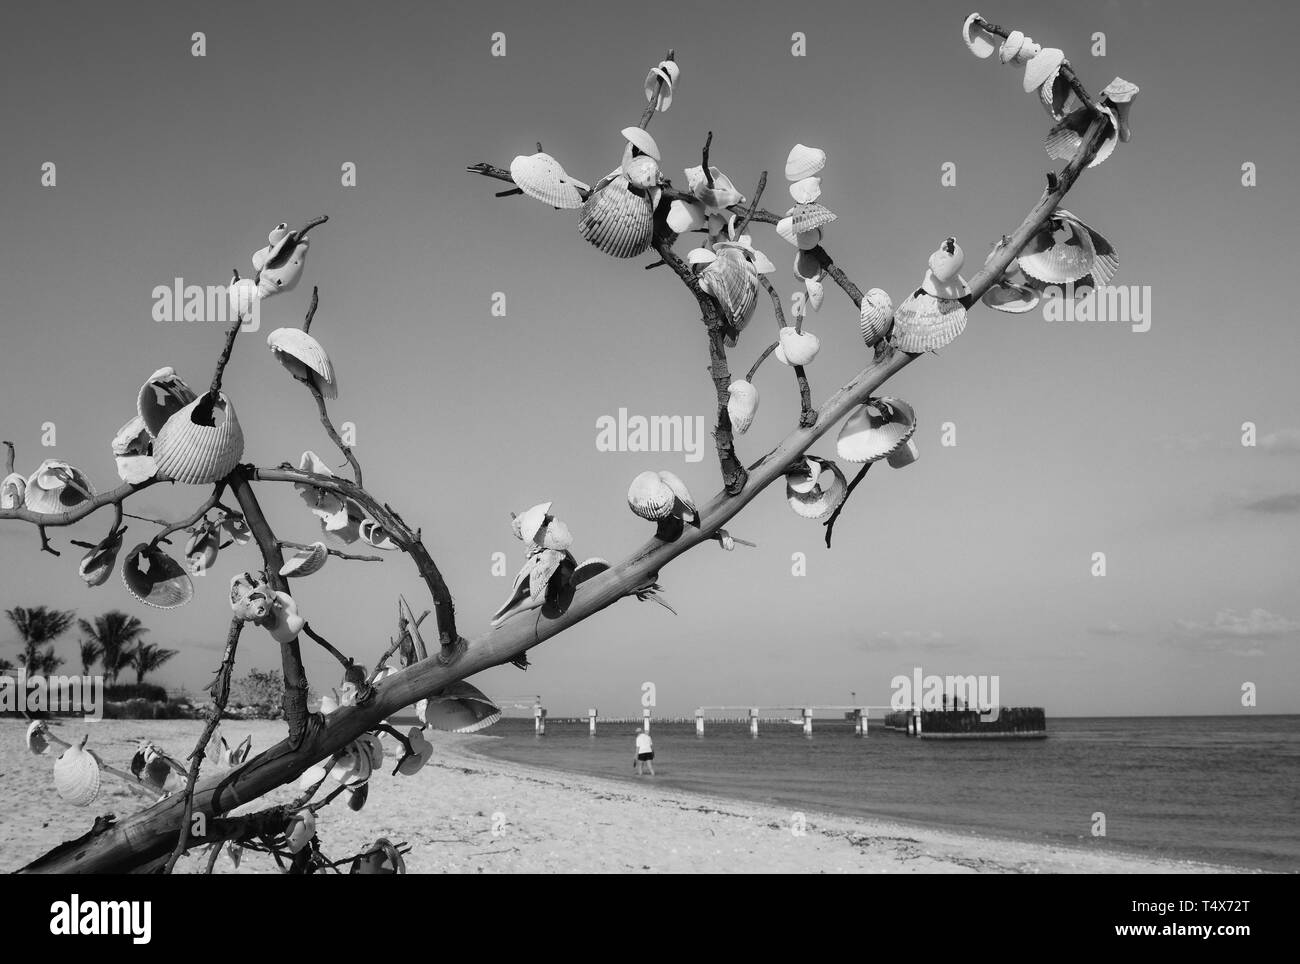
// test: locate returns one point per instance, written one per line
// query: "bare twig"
(830, 523)
(351, 557)
(311, 310)
(193, 517)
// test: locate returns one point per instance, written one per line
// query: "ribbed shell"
(819, 501)
(36, 740)
(640, 139)
(200, 454)
(867, 435)
(979, 40)
(733, 280)
(683, 505)
(925, 323)
(798, 348)
(307, 561)
(161, 581)
(540, 176)
(1064, 140)
(804, 162)
(304, 357)
(810, 217)
(76, 776)
(877, 315)
(650, 497)
(686, 216)
(161, 397)
(617, 221)
(56, 486)
(1058, 262)
(11, 491)
(1106, 258)
(1043, 64)
(806, 190)
(904, 455)
(742, 405)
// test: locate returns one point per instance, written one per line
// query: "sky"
(1072, 438)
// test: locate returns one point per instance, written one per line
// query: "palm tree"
(114, 632)
(36, 627)
(90, 652)
(146, 657)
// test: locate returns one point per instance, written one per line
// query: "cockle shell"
(875, 430)
(797, 348)
(1009, 293)
(307, 561)
(686, 216)
(155, 578)
(642, 172)
(37, 741)
(540, 176)
(304, 358)
(1106, 258)
(659, 87)
(947, 261)
(785, 229)
(529, 523)
(352, 766)
(373, 534)
(250, 597)
(815, 291)
(651, 497)
(556, 535)
(807, 266)
(1043, 64)
(807, 240)
(1056, 262)
(133, 451)
(819, 492)
(56, 486)
(904, 455)
(198, 454)
(97, 563)
(458, 708)
(1065, 138)
(810, 217)
(1055, 94)
(877, 316)
(745, 245)
(280, 264)
(201, 549)
(422, 752)
(804, 162)
(722, 195)
(283, 621)
(12, 490)
(684, 506)
(733, 280)
(617, 220)
(742, 405)
(699, 257)
(301, 830)
(1120, 94)
(76, 775)
(807, 190)
(926, 323)
(161, 397)
(642, 141)
(979, 40)
(243, 295)
(1017, 49)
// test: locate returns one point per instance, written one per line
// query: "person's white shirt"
(643, 743)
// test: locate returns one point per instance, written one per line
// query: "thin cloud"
(1233, 629)
(1282, 442)
(1285, 504)
(1110, 629)
(908, 639)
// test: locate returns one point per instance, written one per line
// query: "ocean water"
(1216, 789)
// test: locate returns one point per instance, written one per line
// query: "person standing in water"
(645, 753)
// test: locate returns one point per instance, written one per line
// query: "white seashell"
(197, 454)
(804, 162)
(809, 217)
(529, 523)
(97, 564)
(802, 478)
(742, 405)
(1010, 297)
(556, 536)
(797, 348)
(301, 830)
(304, 358)
(722, 195)
(642, 172)
(877, 316)
(279, 265)
(37, 742)
(807, 190)
(201, 549)
(372, 533)
(683, 505)
(808, 265)
(1010, 47)
(823, 496)
(1120, 94)
(540, 176)
(785, 229)
(1056, 262)
(616, 220)
(733, 280)
(1105, 257)
(671, 68)
(979, 40)
(875, 430)
(947, 260)
(307, 561)
(422, 752)
(54, 487)
(1044, 63)
(1055, 94)
(926, 323)
(659, 88)
(642, 141)
(76, 775)
(155, 578)
(250, 597)
(650, 497)
(1065, 138)
(243, 295)
(699, 257)
(807, 240)
(951, 290)
(283, 621)
(161, 397)
(904, 455)
(133, 438)
(684, 216)
(816, 293)
(11, 491)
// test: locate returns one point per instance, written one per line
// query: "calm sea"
(1216, 789)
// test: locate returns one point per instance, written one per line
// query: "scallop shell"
(810, 217)
(684, 216)
(877, 316)
(659, 88)
(683, 505)
(11, 491)
(1043, 64)
(304, 357)
(1054, 262)
(798, 348)
(97, 564)
(76, 775)
(804, 162)
(742, 405)
(875, 430)
(1106, 261)
(722, 195)
(979, 40)
(540, 176)
(307, 561)
(904, 455)
(198, 454)
(283, 621)
(926, 323)
(56, 486)
(616, 220)
(161, 397)
(650, 497)
(823, 497)
(1065, 138)
(807, 190)
(37, 742)
(642, 141)
(156, 579)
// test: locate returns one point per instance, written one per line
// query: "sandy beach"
(469, 813)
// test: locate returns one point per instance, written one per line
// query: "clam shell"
(650, 497)
(55, 486)
(742, 405)
(877, 316)
(722, 195)
(76, 776)
(36, 740)
(810, 217)
(1010, 47)
(198, 454)
(1010, 297)
(1120, 94)
(1065, 138)
(698, 257)
(684, 216)
(798, 348)
(683, 505)
(816, 293)
(133, 438)
(875, 430)
(671, 68)
(531, 521)
(243, 296)
(807, 240)
(423, 752)
(642, 141)
(807, 266)
(1106, 261)
(201, 549)
(373, 534)
(304, 562)
(301, 830)
(156, 579)
(806, 190)
(904, 455)
(540, 176)
(926, 323)
(659, 88)
(733, 280)
(1055, 94)
(642, 172)
(1055, 262)
(283, 621)
(979, 40)
(282, 265)
(236, 527)
(12, 489)
(1043, 64)
(947, 261)
(785, 229)
(304, 357)
(802, 478)
(804, 162)
(353, 766)
(557, 536)
(824, 497)
(951, 290)
(616, 220)
(97, 564)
